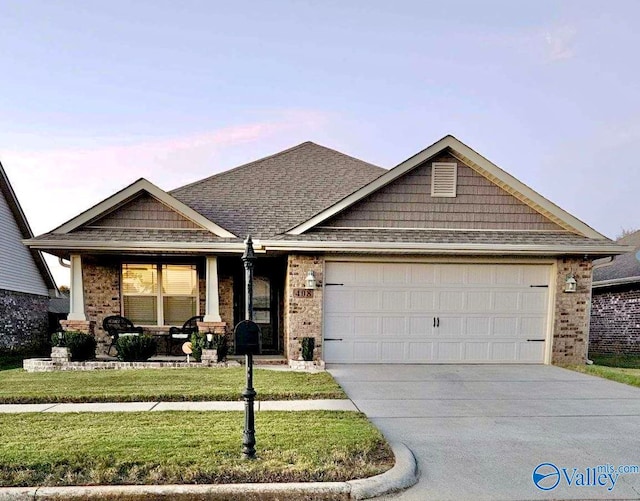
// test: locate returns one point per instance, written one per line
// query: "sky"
(95, 94)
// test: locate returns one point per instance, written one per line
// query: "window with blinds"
(444, 179)
(144, 302)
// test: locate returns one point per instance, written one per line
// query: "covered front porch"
(158, 292)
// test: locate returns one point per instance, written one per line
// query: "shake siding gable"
(18, 270)
(407, 203)
(144, 212)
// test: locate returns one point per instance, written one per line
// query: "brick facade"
(101, 283)
(24, 320)
(571, 315)
(615, 321)
(302, 316)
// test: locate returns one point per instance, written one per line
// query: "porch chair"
(179, 335)
(116, 325)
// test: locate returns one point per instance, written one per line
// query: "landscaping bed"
(187, 447)
(169, 385)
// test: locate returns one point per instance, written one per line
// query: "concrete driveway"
(478, 432)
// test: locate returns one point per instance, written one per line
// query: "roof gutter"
(146, 246)
(615, 281)
(439, 248)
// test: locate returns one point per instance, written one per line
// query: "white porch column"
(77, 292)
(212, 303)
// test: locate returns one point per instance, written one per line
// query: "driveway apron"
(479, 431)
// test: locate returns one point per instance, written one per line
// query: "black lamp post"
(249, 394)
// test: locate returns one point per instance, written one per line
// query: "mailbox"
(247, 338)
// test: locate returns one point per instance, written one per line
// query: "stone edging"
(49, 365)
(401, 476)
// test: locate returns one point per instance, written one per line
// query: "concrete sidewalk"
(265, 405)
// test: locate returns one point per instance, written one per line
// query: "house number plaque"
(303, 293)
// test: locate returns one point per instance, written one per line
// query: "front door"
(265, 312)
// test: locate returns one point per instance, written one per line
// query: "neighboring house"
(615, 306)
(445, 258)
(26, 283)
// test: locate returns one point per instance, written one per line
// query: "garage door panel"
(449, 351)
(394, 326)
(385, 312)
(479, 301)
(366, 351)
(478, 326)
(533, 302)
(392, 351)
(368, 274)
(505, 351)
(367, 326)
(477, 352)
(339, 300)
(422, 274)
(505, 301)
(395, 300)
(367, 300)
(421, 351)
(421, 325)
(421, 300)
(530, 351)
(451, 301)
(395, 274)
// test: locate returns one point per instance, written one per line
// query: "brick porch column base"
(216, 328)
(86, 326)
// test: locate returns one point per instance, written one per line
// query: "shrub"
(81, 346)
(57, 339)
(308, 344)
(220, 344)
(136, 348)
(197, 345)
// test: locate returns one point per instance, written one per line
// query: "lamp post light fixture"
(310, 281)
(570, 284)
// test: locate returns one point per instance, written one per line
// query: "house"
(445, 258)
(615, 307)
(26, 284)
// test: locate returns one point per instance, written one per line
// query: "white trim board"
(496, 175)
(123, 196)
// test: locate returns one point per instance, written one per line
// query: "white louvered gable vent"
(444, 179)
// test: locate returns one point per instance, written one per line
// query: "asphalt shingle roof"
(271, 195)
(136, 235)
(444, 236)
(623, 266)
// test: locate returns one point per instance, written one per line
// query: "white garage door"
(435, 313)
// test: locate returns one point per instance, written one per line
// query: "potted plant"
(59, 349)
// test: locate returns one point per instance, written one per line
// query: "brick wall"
(302, 316)
(615, 321)
(24, 320)
(571, 316)
(101, 283)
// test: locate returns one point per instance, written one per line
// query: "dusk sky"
(95, 95)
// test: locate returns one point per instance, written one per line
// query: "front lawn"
(18, 386)
(187, 447)
(620, 368)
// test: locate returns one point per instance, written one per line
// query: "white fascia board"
(129, 192)
(439, 248)
(132, 246)
(613, 282)
(456, 145)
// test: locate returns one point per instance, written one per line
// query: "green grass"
(18, 386)
(187, 447)
(621, 368)
(626, 361)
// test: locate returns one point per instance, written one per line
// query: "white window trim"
(451, 194)
(159, 295)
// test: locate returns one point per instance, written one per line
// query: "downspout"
(63, 264)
